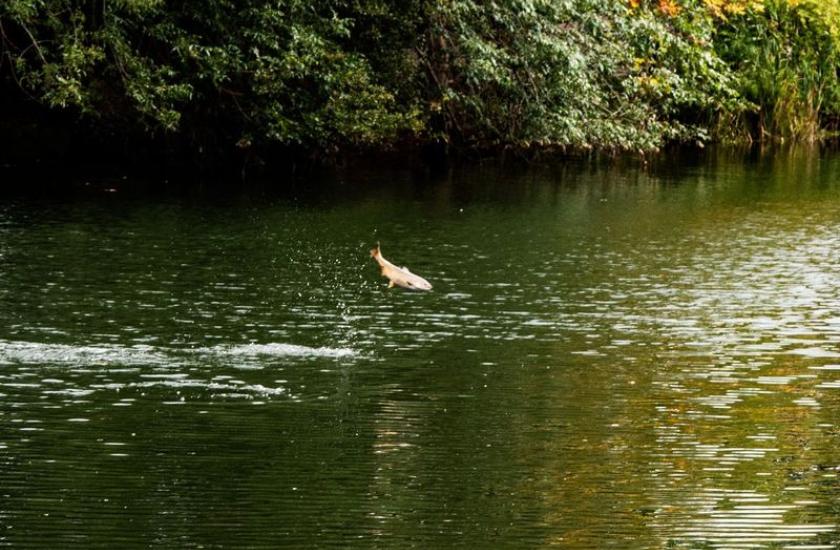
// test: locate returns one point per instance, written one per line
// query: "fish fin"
(390, 284)
(405, 269)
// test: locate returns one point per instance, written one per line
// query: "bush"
(253, 71)
(580, 73)
(327, 75)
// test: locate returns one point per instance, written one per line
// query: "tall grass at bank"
(786, 57)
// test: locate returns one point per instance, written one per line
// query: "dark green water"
(627, 358)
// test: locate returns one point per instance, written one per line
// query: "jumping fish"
(399, 276)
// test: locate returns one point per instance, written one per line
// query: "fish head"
(420, 284)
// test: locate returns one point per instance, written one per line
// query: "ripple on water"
(730, 518)
(717, 309)
(240, 388)
(815, 352)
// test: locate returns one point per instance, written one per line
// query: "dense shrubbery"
(582, 73)
(252, 70)
(331, 74)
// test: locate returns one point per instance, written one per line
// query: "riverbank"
(319, 182)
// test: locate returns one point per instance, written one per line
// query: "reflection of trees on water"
(733, 467)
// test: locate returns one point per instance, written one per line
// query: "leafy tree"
(326, 75)
(579, 73)
(254, 70)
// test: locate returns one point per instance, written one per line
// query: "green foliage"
(786, 56)
(580, 73)
(253, 71)
(331, 74)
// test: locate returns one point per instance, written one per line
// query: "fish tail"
(375, 252)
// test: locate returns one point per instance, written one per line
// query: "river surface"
(611, 357)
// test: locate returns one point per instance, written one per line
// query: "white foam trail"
(276, 350)
(258, 389)
(109, 354)
(61, 354)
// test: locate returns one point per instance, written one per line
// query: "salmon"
(399, 276)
